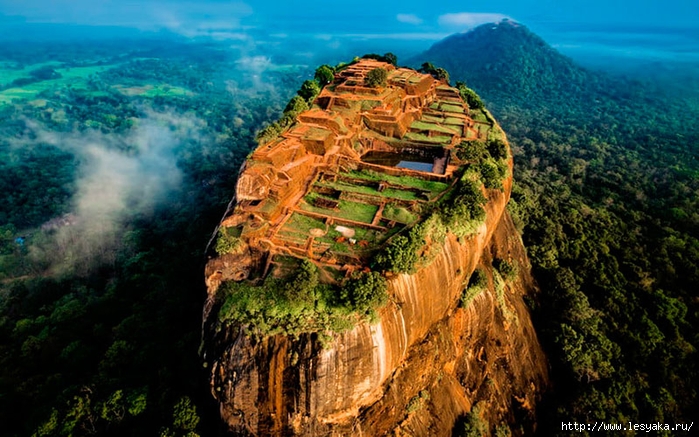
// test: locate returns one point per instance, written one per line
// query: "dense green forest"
(100, 335)
(606, 194)
(116, 164)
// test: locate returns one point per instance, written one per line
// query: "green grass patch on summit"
(422, 138)
(422, 125)
(354, 211)
(399, 214)
(370, 191)
(405, 181)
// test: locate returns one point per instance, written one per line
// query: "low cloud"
(120, 178)
(254, 68)
(467, 20)
(409, 19)
(412, 36)
(187, 17)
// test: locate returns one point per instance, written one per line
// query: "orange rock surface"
(347, 122)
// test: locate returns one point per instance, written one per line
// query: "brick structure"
(322, 153)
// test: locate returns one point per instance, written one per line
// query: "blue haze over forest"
(591, 31)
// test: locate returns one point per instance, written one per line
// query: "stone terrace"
(313, 193)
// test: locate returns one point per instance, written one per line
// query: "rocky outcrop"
(362, 382)
(416, 370)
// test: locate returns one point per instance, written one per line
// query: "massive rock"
(428, 359)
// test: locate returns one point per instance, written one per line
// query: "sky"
(396, 26)
(366, 17)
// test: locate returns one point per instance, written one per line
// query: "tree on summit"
(296, 106)
(469, 96)
(309, 90)
(389, 57)
(441, 74)
(325, 74)
(376, 78)
(427, 68)
(436, 72)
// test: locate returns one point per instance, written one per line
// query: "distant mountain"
(507, 63)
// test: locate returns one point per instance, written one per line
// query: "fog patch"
(120, 178)
(469, 20)
(409, 19)
(254, 68)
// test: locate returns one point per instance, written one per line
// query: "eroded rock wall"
(487, 352)
(362, 381)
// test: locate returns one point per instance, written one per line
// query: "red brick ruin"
(313, 192)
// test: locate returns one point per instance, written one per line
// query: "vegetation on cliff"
(460, 213)
(299, 303)
(477, 283)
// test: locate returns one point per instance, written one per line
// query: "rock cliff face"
(430, 355)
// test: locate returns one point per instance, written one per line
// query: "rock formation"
(361, 167)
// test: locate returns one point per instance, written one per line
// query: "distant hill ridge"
(506, 62)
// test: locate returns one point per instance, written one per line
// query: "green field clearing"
(361, 189)
(330, 238)
(9, 74)
(82, 72)
(405, 181)
(149, 90)
(11, 94)
(454, 121)
(75, 77)
(168, 91)
(357, 211)
(395, 193)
